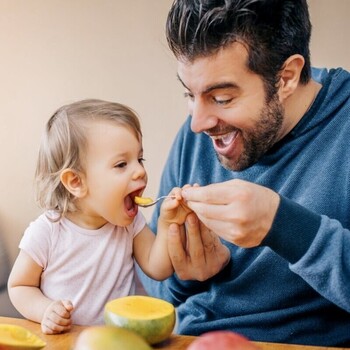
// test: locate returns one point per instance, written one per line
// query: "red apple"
(223, 340)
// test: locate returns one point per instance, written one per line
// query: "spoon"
(146, 202)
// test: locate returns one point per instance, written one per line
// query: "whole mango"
(109, 338)
(223, 340)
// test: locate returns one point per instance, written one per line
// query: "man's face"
(228, 103)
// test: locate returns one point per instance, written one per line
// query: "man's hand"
(197, 255)
(57, 317)
(238, 211)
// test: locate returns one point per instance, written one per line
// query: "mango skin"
(109, 338)
(153, 331)
(223, 340)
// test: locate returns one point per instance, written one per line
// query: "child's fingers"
(67, 304)
(57, 318)
(59, 308)
(51, 327)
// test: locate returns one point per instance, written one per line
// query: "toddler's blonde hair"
(64, 144)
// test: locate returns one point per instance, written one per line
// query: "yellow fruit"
(143, 200)
(109, 338)
(16, 337)
(152, 318)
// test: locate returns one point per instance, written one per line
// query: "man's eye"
(188, 95)
(220, 101)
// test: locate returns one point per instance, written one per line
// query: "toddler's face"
(114, 173)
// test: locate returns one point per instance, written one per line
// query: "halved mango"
(152, 318)
(19, 338)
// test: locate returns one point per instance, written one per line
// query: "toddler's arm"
(26, 296)
(150, 250)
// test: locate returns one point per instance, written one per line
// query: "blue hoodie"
(294, 287)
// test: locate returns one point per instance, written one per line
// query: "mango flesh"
(151, 318)
(223, 340)
(143, 200)
(109, 338)
(17, 337)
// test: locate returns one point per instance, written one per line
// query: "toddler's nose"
(140, 172)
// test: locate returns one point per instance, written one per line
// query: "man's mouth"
(224, 144)
(225, 139)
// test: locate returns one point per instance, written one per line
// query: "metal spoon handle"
(154, 202)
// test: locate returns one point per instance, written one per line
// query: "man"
(269, 147)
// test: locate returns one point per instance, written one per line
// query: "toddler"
(80, 253)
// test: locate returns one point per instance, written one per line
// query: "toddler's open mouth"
(131, 207)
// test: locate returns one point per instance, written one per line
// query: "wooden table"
(176, 342)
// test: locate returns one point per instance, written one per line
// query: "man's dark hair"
(272, 31)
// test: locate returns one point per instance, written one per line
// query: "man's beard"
(258, 141)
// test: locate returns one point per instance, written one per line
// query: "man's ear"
(290, 76)
(73, 182)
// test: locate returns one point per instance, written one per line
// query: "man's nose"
(203, 117)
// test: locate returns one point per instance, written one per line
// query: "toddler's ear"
(73, 182)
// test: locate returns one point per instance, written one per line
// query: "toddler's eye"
(142, 160)
(121, 165)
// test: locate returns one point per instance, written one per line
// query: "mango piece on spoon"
(143, 200)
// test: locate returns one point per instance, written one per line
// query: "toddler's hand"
(57, 317)
(175, 210)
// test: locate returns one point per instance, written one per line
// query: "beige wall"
(57, 51)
